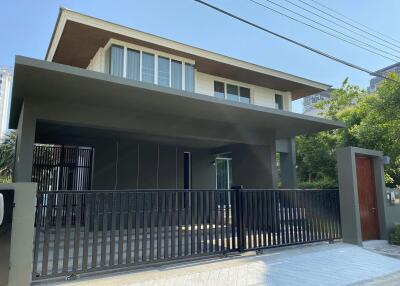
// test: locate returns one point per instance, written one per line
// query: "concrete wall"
(392, 216)
(254, 166)
(259, 95)
(348, 195)
(288, 170)
(22, 233)
(24, 148)
(116, 163)
(121, 163)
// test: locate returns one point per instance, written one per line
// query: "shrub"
(395, 236)
(324, 183)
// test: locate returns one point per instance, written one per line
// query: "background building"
(376, 80)
(311, 100)
(5, 95)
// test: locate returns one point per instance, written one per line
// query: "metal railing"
(85, 231)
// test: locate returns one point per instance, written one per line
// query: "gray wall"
(392, 216)
(24, 148)
(116, 164)
(348, 195)
(254, 166)
(288, 170)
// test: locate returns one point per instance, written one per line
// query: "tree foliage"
(372, 121)
(7, 153)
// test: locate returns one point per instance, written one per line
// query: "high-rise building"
(6, 75)
(311, 100)
(385, 71)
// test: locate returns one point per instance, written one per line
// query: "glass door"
(223, 167)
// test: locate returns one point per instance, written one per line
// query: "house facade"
(111, 107)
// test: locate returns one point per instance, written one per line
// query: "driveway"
(320, 264)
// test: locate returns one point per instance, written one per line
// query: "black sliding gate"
(86, 231)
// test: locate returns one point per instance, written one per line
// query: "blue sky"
(28, 25)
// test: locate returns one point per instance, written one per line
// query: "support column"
(25, 142)
(254, 166)
(288, 166)
(22, 233)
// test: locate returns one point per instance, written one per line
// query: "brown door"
(367, 198)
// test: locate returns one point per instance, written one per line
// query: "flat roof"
(77, 37)
(102, 100)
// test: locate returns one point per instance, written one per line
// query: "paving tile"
(320, 265)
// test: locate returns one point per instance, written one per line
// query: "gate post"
(22, 233)
(349, 197)
(239, 215)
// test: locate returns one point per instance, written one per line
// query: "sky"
(27, 27)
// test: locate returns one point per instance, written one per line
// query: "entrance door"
(223, 168)
(367, 198)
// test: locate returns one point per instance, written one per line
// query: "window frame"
(239, 87)
(169, 70)
(109, 66)
(281, 99)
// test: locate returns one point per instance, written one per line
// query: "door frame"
(229, 160)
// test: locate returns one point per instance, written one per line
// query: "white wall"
(204, 83)
(98, 61)
(258, 95)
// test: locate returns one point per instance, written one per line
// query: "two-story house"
(112, 107)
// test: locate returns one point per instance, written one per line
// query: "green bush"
(395, 237)
(324, 183)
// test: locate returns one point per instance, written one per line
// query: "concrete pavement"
(322, 264)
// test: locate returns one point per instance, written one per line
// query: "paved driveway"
(322, 264)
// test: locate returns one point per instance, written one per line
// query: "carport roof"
(37, 79)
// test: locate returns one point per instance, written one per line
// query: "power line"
(323, 31)
(326, 55)
(342, 26)
(356, 43)
(358, 23)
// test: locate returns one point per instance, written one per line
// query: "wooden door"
(367, 198)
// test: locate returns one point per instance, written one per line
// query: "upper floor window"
(278, 101)
(233, 92)
(133, 64)
(163, 71)
(176, 74)
(189, 77)
(244, 95)
(219, 89)
(150, 67)
(117, 60)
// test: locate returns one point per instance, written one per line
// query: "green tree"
(7, 154)
(372, 121)
(316, 160)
